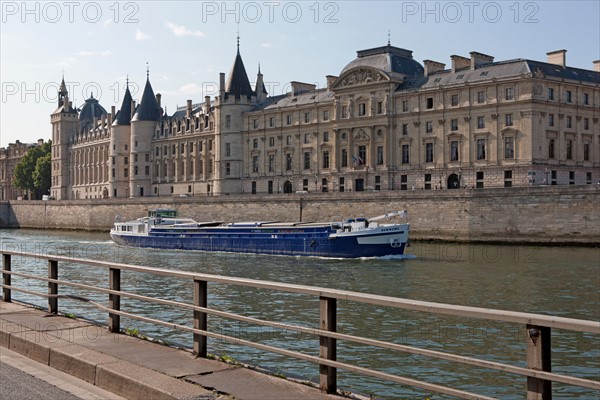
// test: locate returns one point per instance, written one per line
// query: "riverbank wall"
(541, 214)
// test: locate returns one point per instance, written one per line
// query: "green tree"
(24, 176)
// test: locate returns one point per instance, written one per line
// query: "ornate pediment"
(360, 76)
(361, 135)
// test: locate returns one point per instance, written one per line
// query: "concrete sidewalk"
(135, 368)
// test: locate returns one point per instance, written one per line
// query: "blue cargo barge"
(352, 238)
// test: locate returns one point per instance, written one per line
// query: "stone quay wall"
(542, 214)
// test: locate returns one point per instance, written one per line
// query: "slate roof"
(123, 117)
(238, 83)
(91, 109)
(390, 59)
(148, 110)
(287, 100)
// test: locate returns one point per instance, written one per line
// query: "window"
(509, 120)
(551, 148)
(271, 141)
(404, 105)
(362, 154)
(586, 151)
(307, 160)
(324, 185)
(588, 178)
(147, 170)
(377, 182)
(429, 152)
(507, 178)
(344, 158)
(342, 181)
(569, 149)
(228, 121)
(326, 136)
(255, 143)
(405, 154)
(480, 122)
(428, 127)
(454, 125)
(427, 180)
(362, 109)
(227, 168)
(481, 149)
(379, 107)
(586, 124)
(126, 173)
(569, 96)
(325, 159)
(126, 161)
(454, 150)
(253, 187)
(405, 129)
(550, 119)
(550, 93)
(306, 117)
(135, 158)
(379, 155)
(227, 149)
(429, 103)
(271, 122)
(571, 177)
(254, 163)
(255, 123)
(454, 100)
(509, 148)
(288, 119)
(586, 99)
(306, 138)
(509, 93)
(288, 140)
(479, 179)
(403, 182)
(271, 162)
(344, 111)
(481, 97)
(325, 115)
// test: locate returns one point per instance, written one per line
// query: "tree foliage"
(33, 172)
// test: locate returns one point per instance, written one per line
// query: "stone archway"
(453, 181)
(287, 187)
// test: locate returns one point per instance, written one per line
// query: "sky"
(98, 45)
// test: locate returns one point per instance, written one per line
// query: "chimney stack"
(459, 62)
(597, 65)
(188, 112)
(222, 82)
(330, 80)
(478, 59)
(558, 57)
(112, 112)
(433, 66)
(158, 97)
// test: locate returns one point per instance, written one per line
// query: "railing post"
(200, 321)
(327, 350)
(538, 358)
(53, 287)
(114, 300)
(6, 265)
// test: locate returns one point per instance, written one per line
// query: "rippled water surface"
(561, 281)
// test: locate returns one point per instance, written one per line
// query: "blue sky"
(187, 43)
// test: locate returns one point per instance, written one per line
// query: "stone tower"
(120, 139)
(64, 126)
(143, 126)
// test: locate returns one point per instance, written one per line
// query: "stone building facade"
(386, 122)
(9, 158)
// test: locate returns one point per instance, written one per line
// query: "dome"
(91, 109)
(390, 59)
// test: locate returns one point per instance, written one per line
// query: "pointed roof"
(238, 83)
(260, 84)
(148, 109)
(63, 87)
(123, 117)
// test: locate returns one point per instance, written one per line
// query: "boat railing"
(535, 369)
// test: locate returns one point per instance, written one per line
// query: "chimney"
(433, 66)
(330, 80)
(459, 62)
(301, 87)
(597, 65)
(207, 103)
(189, 109)
(112, 112)
(558, 57)
(158, 97)
(132, 108)
(222, 82)
(478, 59)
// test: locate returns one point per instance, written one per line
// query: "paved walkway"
(134, 368)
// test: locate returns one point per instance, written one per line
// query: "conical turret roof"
(238, 83)
(148, 109)
(123, 117)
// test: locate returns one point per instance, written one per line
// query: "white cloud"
(265, 45)
(180, 30)
(94, 53)
(190, 88)
(139, 35)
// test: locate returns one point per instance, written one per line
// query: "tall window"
(404, 105)
(481, 149)
(480, 122)
(405, 154)
(362, 154)
(509, 120)
(255, 164)
(379, 155)
(550, 93)
(325, 115)
(454, 100)
(227, 149)
(288, 162)
(569, 149)
(271, 162)
(228, 121)
(325, 159)
(586, 151)
(271, 122)
(454, 125)
(344, 111)
(362, 109)
(306, 117)
(405, 129)
(509, 93)
(429, 104)
(429, 152)
(551, 148)
(550, 119)
(454, 150)
(509, 148)
(288, 119)
(428, 127)
(569, 122)
(569, 96)
(344, 158)
(307, 160)
(481, 97)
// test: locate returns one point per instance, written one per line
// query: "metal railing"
(537, 327)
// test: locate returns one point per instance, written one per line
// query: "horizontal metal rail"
(538, 378)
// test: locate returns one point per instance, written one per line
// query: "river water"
(561, 281)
